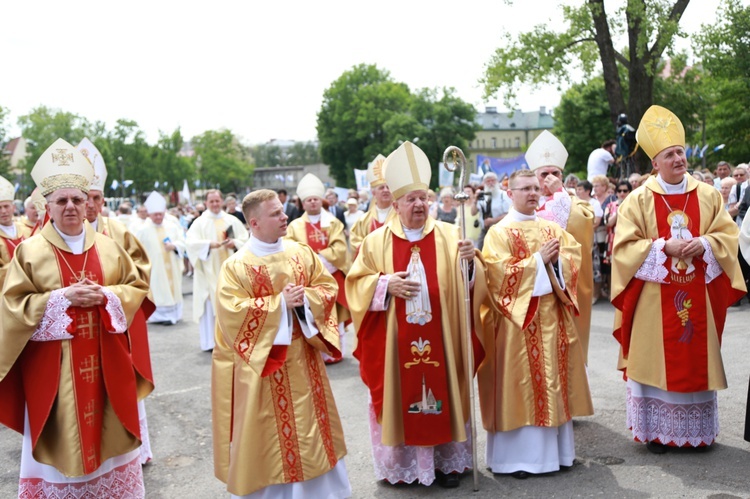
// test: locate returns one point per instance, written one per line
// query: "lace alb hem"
(713, 269)
(115, 311)
(407, 463)
(652, 269)
(557, 209)
(125, 482)
(55, 321)
(676, 424)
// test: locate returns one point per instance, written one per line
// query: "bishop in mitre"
(407, 299)
(12, 232)
(381, 209)
(68, 379)
(165, 245)
(324, 233)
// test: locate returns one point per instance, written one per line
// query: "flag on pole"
(185, 192)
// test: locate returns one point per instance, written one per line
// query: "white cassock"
(166, 268)
(207, 263)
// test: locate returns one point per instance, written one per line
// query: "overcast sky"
(258, 68)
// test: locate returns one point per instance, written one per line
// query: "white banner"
(446, 177)
(361, 177)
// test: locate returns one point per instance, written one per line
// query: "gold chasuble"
(366, 224)
(81, 392)
(8, 247)
(330, 242)
(412, 355)
(581, 227)
(274, 416)
(534, 372)
(671, 312)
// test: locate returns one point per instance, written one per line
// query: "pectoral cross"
(90, 369)
(85, 326)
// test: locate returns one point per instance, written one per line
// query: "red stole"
(683, 299)
(421, 355)
(101, 365)
(374, 224)
(11, 244)
(317, 239)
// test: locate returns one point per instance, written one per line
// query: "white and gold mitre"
(375, 171)
(310, 185)
(155, 203)
(546, 150)
(7, 190)
(90, 152)
(62, 166)
(659, 128)
(407, 169)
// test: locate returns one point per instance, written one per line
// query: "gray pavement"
(610, 463)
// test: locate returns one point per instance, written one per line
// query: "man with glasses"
(532, 270)
(68, 376)
(546, 157)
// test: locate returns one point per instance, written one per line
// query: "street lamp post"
(122, 176)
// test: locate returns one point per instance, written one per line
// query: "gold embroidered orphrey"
(421, 350)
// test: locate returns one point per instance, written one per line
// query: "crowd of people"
(500, 287)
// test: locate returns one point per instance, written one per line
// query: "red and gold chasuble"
(421, 354)
(100, 363)
(317, 239)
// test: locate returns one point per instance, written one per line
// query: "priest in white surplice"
(212, 238)
(165, 245)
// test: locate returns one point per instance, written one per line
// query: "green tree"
(128, 157)
(352, 117)
(724, 48)
(4, 161)
(224, 162)
(582, 121)
(42, 126)
(543, 56)
(435, 119)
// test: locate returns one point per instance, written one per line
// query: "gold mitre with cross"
(546, 150)
(375, 171)
(310, 185)
(62, 166)
(7, 190)
(407, 169)
(659, 128)
(90, 152)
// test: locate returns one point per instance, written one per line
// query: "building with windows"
(507, 135)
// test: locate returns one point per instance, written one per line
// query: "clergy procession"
(391, 356)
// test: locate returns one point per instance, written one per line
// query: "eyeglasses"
(544, 174)
(64, 201)
(623, 190)
(739, 174)
(528, 189)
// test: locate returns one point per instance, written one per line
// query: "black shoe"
(656, 448)
(447, 481)
(520, 475)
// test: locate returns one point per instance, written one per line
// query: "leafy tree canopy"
(366, 113)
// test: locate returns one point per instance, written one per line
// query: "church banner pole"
(458, 160)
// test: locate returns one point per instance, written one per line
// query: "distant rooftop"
(491, 119)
